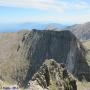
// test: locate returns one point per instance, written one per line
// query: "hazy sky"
(54, 11)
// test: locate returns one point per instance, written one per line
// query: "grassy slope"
(10, 59)
(8, 47)
(87, 47)
(84, 85)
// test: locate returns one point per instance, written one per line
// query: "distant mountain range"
(39, 26)
(82, 31)
(54, 26)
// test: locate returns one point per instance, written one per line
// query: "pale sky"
(49, 11)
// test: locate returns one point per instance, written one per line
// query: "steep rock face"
(54, 76)
(62, 46)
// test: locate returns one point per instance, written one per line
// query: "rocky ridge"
(53, 76)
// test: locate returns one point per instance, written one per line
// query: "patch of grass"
(83, 85)
(53, 86)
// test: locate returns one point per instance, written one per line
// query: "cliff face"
(32, 48)
(62, 46)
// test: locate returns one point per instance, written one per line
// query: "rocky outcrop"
(53, 76)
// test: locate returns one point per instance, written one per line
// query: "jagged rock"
(54, 76)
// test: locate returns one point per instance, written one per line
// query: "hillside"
(11, 62)
(22, 53)
(82, 31)
(87, 47)
(84, 85)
